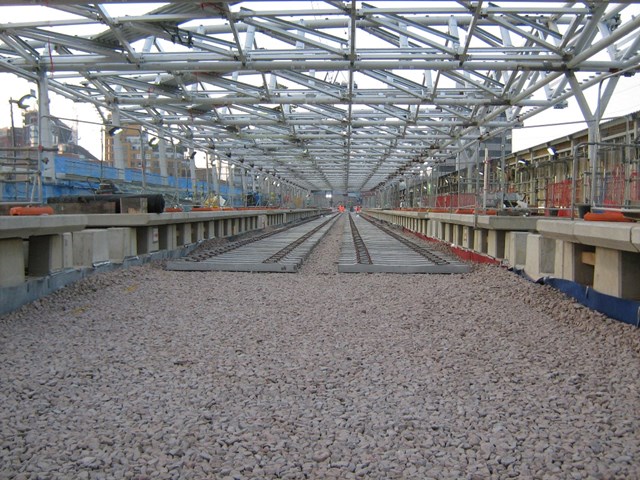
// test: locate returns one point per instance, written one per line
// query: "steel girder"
(344, 97)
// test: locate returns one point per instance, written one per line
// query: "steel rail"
(362, 253)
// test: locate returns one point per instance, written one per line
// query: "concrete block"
(605, 234)
(516, 248)
(436, 229)
(568, 263)
(480, 240)
(184, 234)
(495, 243)
(45, 255)
(219, 228)
(23, 227)
(467, 237)
(540, 256)
(25, 252)
(493, 222)
(90, 246)
(122, 243)
(447, 232)
(67, 250)
(148, 239)
(617, 273)
(635, 237)
(457, 234)
(210, 229)
(424, 226)
(11, 262)
(167, 237)
(197, 232)
(557, 229)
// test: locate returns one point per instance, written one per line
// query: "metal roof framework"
(345, 96)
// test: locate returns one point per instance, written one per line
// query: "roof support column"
(593, 128)
(46, 164)
(192, 170)
(214, 178)
(593, 122)
(118, 152)
(243, 177)
(162, 154)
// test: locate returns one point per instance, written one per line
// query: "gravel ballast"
(150, 374)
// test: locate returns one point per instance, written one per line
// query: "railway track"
(372, 247)
(368, 246)
(283, 250)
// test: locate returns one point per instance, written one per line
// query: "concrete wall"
(603, 255)
(41, 254)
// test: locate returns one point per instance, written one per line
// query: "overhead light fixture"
(522, 161)
(552, 151)
(114, 131)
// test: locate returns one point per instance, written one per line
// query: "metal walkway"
(369, 248)
(283, 251)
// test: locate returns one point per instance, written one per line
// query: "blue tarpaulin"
(627, 311)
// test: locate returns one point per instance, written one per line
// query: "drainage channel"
(373, 248)
(284, 251)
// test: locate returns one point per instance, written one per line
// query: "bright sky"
(539, 129)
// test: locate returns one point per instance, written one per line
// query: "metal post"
(162, 159)
(243, 172)
(103, 148)
(574, 174)
(218, 176)
(13, 142)
(192, 170)
(231, 180)
(215, 178)
(486, 180)
(477, 178)
(142, 162)
(594, 140)
(45, 138)
(206, 166)
(175, 169)
(253, 187)
(503, 174)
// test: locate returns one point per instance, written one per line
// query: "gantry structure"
(337, 96)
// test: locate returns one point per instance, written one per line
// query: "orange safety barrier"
(204, 209)
(472, 211)
(172, 209)
(24, 211)
(439, 210)
(606, 217)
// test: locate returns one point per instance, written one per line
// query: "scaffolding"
(551, 179)
(20, 175)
